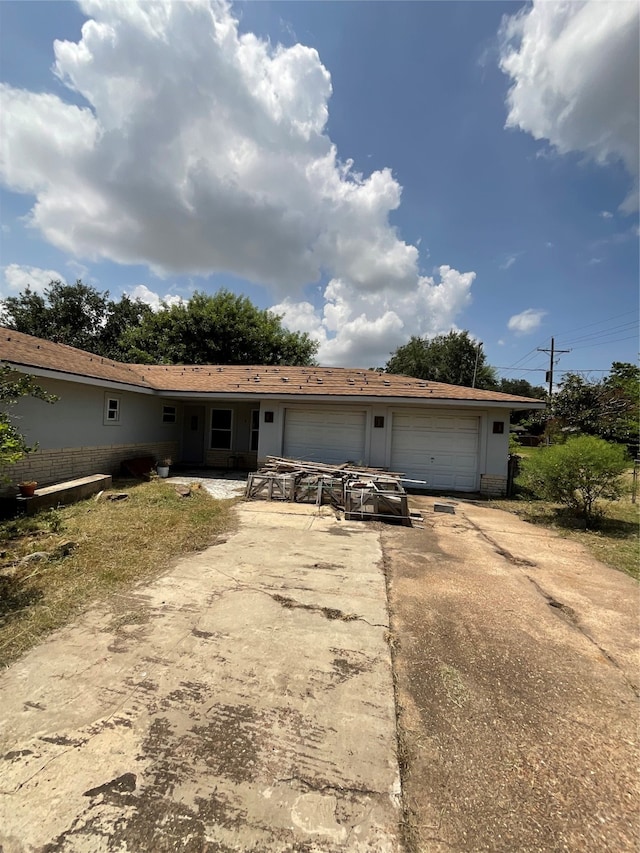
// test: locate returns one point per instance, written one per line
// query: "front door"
(193, 435)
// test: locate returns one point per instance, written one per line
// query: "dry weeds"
(92, 550)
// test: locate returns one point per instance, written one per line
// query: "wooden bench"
(65, 493)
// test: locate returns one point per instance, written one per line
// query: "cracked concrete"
(243, 702)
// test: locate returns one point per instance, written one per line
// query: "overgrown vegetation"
(53, 565)
(581, 474)
(615, 540)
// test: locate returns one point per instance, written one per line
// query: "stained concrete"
(241, 702)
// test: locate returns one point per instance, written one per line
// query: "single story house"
(450, 437)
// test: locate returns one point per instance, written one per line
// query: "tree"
(219, 329)
(577, 474)
(453, 358)
(72, 314)
(13, 445)
(607, 408)
(522, 388)
(120, 317)
(222, 329)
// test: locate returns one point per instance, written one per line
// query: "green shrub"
(577, 474)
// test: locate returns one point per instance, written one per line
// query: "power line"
(527, 356)
(542, 369)
(606, 343)
(625, 327)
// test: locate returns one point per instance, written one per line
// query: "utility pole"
(552, 353)
(475, 369)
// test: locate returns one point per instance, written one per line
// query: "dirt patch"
(515, 732)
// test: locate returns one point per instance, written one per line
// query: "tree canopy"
(607, 407)
(74, 314)
(208, 329)
(449, 358)
(219, 329)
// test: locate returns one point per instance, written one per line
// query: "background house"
(450, 437)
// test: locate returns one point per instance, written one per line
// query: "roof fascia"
(347, 398)
(46, 373)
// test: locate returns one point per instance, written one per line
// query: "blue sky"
(371, 170)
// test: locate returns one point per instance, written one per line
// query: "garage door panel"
(441, 449)
(329, 436)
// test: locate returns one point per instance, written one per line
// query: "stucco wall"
(492, 450)
(77, 419)
(74, 440)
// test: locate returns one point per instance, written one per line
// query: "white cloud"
(154, 300)
(606, 214)
(364, 328)
(526, 322)
(17, 278)
(205, 150)
(574, 67)
(510, 261)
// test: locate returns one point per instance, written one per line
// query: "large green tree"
(75, 314)
(454, 358)
(607, 408)
(72, 314)
(219, 329)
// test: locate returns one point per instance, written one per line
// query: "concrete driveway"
(517, 670)
(241, 702)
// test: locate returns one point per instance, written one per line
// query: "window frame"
(166, 419)
(254, 430)
(108, 409)
(218, 430)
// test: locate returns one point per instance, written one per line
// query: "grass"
(614, 542)
(91, 550)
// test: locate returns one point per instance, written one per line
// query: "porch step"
(65, 493)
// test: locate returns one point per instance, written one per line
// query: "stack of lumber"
(361, 492)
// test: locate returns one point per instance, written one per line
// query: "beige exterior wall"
(78, 418)
(493, 448)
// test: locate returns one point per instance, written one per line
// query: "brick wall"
(67, 463)
(493, 485)
(245, 460)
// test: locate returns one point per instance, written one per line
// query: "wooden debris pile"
(362, 493)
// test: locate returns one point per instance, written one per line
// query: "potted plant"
(27, 488)
(163, 467)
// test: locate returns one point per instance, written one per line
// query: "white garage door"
(439, 448)
(325, 435)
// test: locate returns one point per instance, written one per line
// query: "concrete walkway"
(242, 702)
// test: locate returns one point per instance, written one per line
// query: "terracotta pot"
(27, 490)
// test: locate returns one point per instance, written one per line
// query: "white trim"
(84, 380)
(109, 410)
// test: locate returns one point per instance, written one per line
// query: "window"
(378, 422)
(169, 415)
(112, 410)
(221, 420)
(498, 427)
(255, 429)
(268, 417)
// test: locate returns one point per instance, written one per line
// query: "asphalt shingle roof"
(253, 380)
